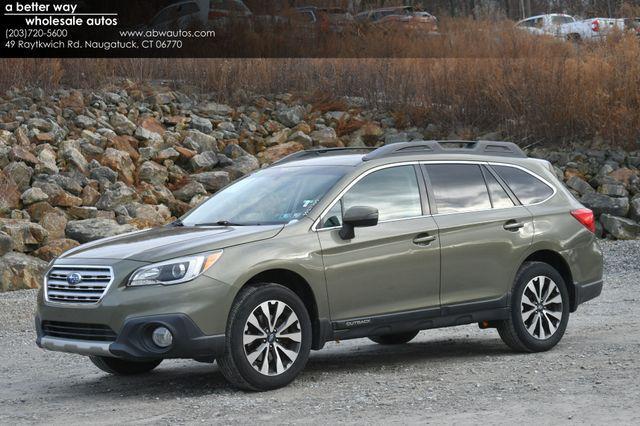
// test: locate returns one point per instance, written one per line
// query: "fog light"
(162, 337)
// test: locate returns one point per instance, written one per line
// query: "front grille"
(72, 330)
(77, 284)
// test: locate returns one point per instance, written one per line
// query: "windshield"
(272, 196)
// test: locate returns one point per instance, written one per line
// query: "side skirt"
(446, 316)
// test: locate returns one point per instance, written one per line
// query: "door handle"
(424, 239)
(513, 225)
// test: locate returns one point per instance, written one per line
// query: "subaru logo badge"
(74, 278)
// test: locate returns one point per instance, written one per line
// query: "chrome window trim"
(73, 304)
(315, 228)
(361, 176)
(535, 175)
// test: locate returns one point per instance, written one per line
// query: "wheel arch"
(559, 263)
(321, 327)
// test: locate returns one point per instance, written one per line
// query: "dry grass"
(484, 76)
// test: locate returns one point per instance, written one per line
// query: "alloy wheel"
(541, 307)
(272, 337)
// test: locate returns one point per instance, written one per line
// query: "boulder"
(120, 162)
(190, 190)
(122, 125)
(90, 196)
(619, 227)
(33, 195)
(26, 236)
(55, 248)
(94, 229)
(242, 166)
(205, 161)
(20, 173)
(117, 195)
(147, 216)
(291, 116)
(19, 271)
(325, 136)
(634, 210)
(579, 185)
(302, 138)
(613, 190)
(601, 203)
(212, 181)
(153, 173)
(75, 159)
(6, 243)
(21, 154)
(167, 154)
(277, 152)
(201, 124)
(9, 193)
(55, 223)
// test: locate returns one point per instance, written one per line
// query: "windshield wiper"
(176, 223)
(220, 223)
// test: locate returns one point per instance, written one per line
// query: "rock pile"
(76, 165)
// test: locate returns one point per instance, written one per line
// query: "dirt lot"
(456, 375)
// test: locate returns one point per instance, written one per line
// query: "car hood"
(159, 244)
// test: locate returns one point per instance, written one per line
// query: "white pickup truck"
(567, 27)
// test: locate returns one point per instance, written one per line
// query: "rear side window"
(526, 187)
(499, 197)
(458, 187)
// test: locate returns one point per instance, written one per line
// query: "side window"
(333, 216)
(458, 187)
(393, 191)
(499, 197)
(526, 187)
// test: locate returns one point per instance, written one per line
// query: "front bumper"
(134, 340)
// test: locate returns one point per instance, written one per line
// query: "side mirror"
(357, 217)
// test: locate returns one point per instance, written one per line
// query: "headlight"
(174, 271)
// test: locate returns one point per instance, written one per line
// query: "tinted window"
(499, 197)
(525, 186)
(393, 191)
(458, 187)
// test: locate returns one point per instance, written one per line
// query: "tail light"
(595, 25)
(586, 218)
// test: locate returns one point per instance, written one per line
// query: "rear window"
(525, 186)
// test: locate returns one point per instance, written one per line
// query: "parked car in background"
(330, 19)
(179, 15)
(402, 17)
(567, 27)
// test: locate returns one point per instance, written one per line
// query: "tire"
(256, 360)
(536, 324)
(121, 367)
(394, 339)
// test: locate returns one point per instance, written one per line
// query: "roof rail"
(503, 149)
(312, 153)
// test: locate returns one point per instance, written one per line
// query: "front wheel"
(123, 367)
(268, 338)
(539, 309)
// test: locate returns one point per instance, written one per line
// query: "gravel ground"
(455, 375)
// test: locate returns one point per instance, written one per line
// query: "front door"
(392, 267)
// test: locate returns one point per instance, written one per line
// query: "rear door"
(483, 233)
(392, 267)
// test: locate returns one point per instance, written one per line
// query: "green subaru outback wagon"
(330, 245)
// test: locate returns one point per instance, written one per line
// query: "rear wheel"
(539, 309)
(395, 339)
(123, 367)
(268, 338)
